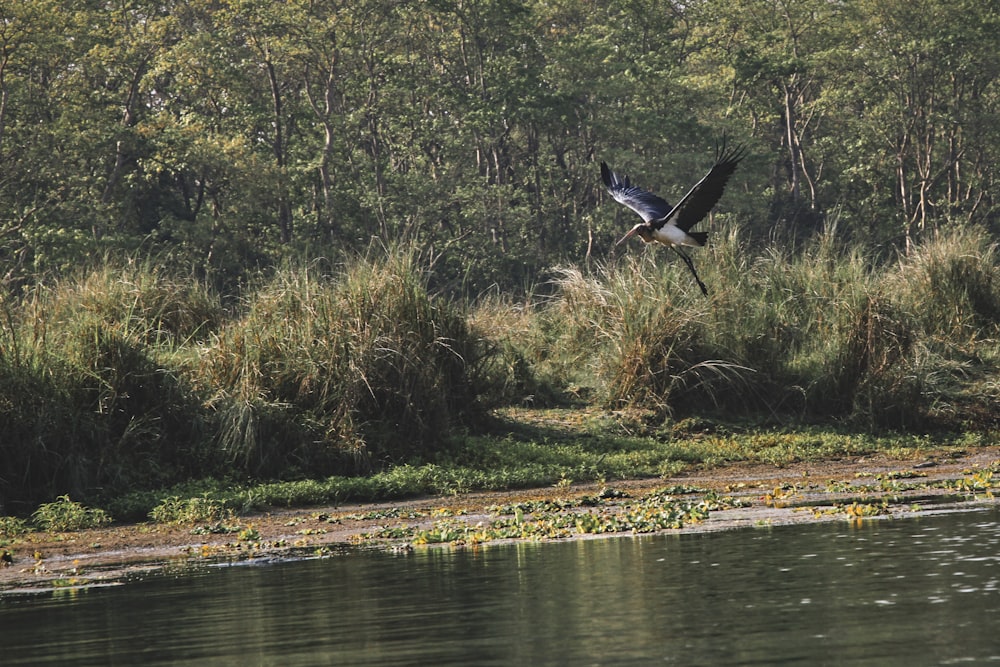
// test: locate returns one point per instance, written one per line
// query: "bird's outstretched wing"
(700, 199)
(646, 204)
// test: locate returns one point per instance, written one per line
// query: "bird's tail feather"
(700, 237)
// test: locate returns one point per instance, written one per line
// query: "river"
(917, 591)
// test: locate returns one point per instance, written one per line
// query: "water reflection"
(886, 592)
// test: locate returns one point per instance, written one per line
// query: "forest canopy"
(226, 135)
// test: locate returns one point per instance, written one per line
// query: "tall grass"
(86, 401)
(824, 333)
(356, 370)
(125, 378)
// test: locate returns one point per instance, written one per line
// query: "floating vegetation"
(779, 496)
(900, 474)
(856, 510)
(249, 534)
(387, 513)
(561, 518)
(387, 533)
(862, 510)
(978, 482)
(685, 489)
(533, 506)
(839, 486)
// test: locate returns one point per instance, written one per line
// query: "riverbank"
(717, 498)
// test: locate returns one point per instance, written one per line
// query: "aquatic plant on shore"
(64, 514)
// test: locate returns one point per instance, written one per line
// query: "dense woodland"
(253, 240)
(225, 135)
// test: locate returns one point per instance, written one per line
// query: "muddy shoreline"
(868, 488)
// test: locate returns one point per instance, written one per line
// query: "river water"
(919, 591)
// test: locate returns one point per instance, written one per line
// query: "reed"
(824, 333)
(126, 379)
(343, 372)
(88, 402)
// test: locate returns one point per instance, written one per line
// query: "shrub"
(64, 514)
(824, 333)
(11, 527)
(201, 509)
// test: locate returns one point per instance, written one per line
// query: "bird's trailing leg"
(690, 265)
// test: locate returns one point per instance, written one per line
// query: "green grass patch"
(64, 514)
(200, 509)
(573, 453)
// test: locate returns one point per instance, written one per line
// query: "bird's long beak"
(630, 234)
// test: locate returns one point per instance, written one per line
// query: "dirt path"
(751, 495)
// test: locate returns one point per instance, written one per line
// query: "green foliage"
(129, 379)
(223, 141)
(189, 510)
(64, 514)
(323, 373)
(12, 527)
(228, 146)
(822, 333)
(363, 370)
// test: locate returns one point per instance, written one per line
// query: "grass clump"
(125, 378)
(139, 299)
(342, 373)
(950, 286)
(825, 333)
(201, 509)
(90, 398)
(64, 514)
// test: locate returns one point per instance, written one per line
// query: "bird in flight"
(668, 225)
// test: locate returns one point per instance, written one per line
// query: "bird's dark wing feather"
(646, 204)
(700, 199)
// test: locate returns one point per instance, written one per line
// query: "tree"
(781, 58)
(925, 93)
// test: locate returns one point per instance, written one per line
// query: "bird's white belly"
(671, 235)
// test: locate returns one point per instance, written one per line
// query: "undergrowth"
(326, 382)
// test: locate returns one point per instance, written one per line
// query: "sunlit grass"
(822, 333)
(353, 381)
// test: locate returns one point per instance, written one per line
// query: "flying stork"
(668, 225)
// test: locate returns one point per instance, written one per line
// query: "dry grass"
(824, 333)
